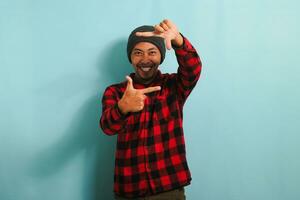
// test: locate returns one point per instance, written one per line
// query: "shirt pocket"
(133, 123)
(165, 109)
(131, 130)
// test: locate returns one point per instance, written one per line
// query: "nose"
(145, 57)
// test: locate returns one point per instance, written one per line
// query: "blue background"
(241, 121)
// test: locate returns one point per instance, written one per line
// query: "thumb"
(129, 83)
(168, 44)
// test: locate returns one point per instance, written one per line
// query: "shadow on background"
(83, 136)
(114, 67)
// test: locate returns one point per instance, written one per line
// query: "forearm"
(112, 121)
(178, 41)
(189, 69)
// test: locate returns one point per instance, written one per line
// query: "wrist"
(178, 41)
(122, 107)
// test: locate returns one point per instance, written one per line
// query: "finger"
(141, 104)
(145, 34)
(168, 44)
(164, 26)
(168, 23)
(129, 83)
(159, 29)
(150, 89)
(141, 107)
(140, 98)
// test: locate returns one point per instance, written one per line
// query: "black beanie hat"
(157, 41)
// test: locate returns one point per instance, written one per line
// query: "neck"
(145, 81)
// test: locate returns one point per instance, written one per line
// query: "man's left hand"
(167, 30)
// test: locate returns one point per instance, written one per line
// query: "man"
(146, 114)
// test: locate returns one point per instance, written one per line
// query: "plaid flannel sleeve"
(189, 70)
(112, 120)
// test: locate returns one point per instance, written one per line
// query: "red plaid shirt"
(150, 156)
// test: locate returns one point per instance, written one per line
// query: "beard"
(146, 71)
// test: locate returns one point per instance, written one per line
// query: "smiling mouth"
(145, 69)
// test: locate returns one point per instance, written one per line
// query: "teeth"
(146, 69)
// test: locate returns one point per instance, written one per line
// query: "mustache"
(146, 64)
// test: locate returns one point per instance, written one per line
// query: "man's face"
(145, 59)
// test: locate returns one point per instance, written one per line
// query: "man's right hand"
(133, 99)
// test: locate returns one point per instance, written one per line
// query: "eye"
(152, 53)
(137, 53)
